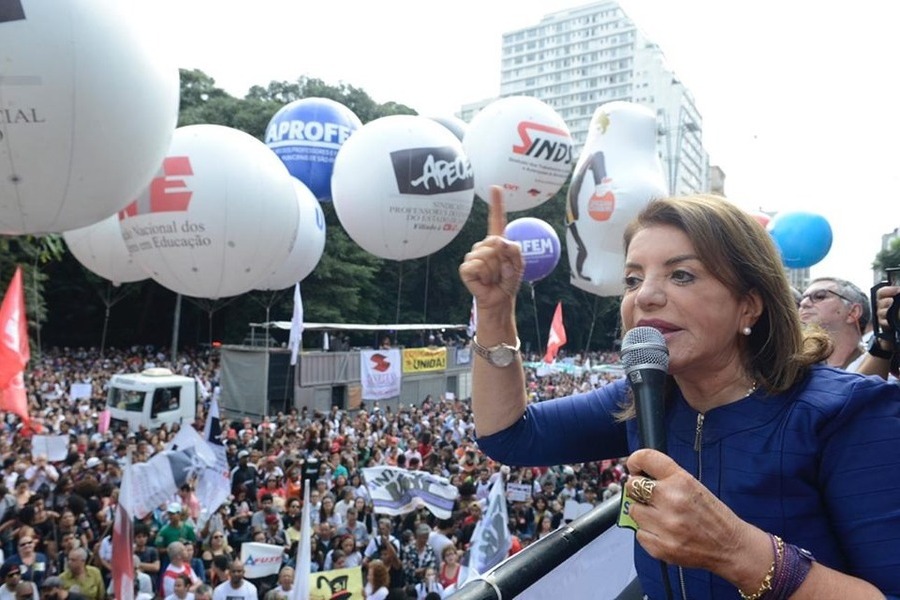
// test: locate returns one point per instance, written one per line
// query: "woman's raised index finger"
(496, 212)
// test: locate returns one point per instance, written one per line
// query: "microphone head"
(644, 347)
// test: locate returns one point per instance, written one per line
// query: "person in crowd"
(176, 530)
(87, 578)
(218, 546)
(844, 312)
(181, 589)
(147, 556)
(52, 589)
(377, 581)
(177, 566)
(417, 556)
(429, 585)
(449, 573)
(204, 592)
(285, 585)
(193, 561)
(880, 349)
(236, 588)
(33, 566)
(781, 437)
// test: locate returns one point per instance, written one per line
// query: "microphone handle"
(648, 383)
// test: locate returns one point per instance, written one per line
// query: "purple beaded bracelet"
(791, 572)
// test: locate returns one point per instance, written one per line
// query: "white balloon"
(402, 187)
(87, 112)
(101, 249)
(617, 174)
(221, 214)
(523, 145)
(308, 246)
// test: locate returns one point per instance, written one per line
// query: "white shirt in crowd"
(225, 591)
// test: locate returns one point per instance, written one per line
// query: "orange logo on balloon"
(601, 206)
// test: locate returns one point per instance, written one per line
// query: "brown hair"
(381, 577)
(739, 253)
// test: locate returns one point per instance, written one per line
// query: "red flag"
(557, 336)
(14, 352)
(123, 541)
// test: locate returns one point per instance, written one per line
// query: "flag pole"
(537, 327)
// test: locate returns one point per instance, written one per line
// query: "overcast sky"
(799, 98)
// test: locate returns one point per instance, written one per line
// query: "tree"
(888, 258)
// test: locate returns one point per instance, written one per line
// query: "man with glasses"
(843, 310)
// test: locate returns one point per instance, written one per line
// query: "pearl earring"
(746, 331)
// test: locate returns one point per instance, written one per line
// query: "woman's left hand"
(683, 523)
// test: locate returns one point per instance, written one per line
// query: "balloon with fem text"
(220, 215)
(306, 135)
(402, 187)
(617, 174)
(540, 246)
(522, 145)
(87, 111)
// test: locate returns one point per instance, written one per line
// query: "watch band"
(501, 355)
(877, 351)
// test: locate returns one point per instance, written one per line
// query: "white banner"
(397, 491)
(54, 447)
(214, 483)
(518, 492)
(261, 560)
(157, 480)
(602, 569)
(77, 391)
(380, 372)
(574, 509)
(491, 539)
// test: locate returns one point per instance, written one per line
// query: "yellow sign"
(420, 360)
(337, 584)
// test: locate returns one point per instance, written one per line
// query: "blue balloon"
(306, 135)
(803, 238)
(540, 246)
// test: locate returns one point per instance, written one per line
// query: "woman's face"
(667, 287)
(327, 503)
(348, 545)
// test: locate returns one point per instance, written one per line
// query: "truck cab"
(151, 398)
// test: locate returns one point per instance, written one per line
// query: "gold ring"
(641, 489)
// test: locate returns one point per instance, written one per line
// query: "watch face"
(502, 356)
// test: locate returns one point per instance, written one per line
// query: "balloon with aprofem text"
(306, 135)
(219, 216)
(521, 144)
(308, 245)
(402, 187)
(101, 249)
(616, 176)
(803, 238)
(539, 243)
(87, 110)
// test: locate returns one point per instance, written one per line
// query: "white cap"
(93, 462)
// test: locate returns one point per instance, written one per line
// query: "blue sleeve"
(574, 429)
(860, 478)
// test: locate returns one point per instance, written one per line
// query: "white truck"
(150, 398)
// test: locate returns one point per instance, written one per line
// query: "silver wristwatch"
(501, 355)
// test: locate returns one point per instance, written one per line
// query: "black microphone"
(646, 359)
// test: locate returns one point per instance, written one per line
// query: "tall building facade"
(577, 59)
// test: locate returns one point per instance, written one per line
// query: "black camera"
(892, 332)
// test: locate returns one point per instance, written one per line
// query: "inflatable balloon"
(456, 126)
(803, 238)
(523, 145)
(86, 112)
(402, 187)
(308, 246)
(760, 217)
(306, 135)
(540, 246)
(617, 174)
(219, 216)
(101, 249)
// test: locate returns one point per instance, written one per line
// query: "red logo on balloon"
(381, 363)
(167, 191)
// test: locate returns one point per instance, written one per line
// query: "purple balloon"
(540, 246)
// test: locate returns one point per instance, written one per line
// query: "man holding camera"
(841, 309)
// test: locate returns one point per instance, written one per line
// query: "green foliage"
(889, 257)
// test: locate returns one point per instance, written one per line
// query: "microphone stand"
(517, 573)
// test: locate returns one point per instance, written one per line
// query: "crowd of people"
(57, 517)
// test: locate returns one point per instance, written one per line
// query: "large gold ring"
(641, 489)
